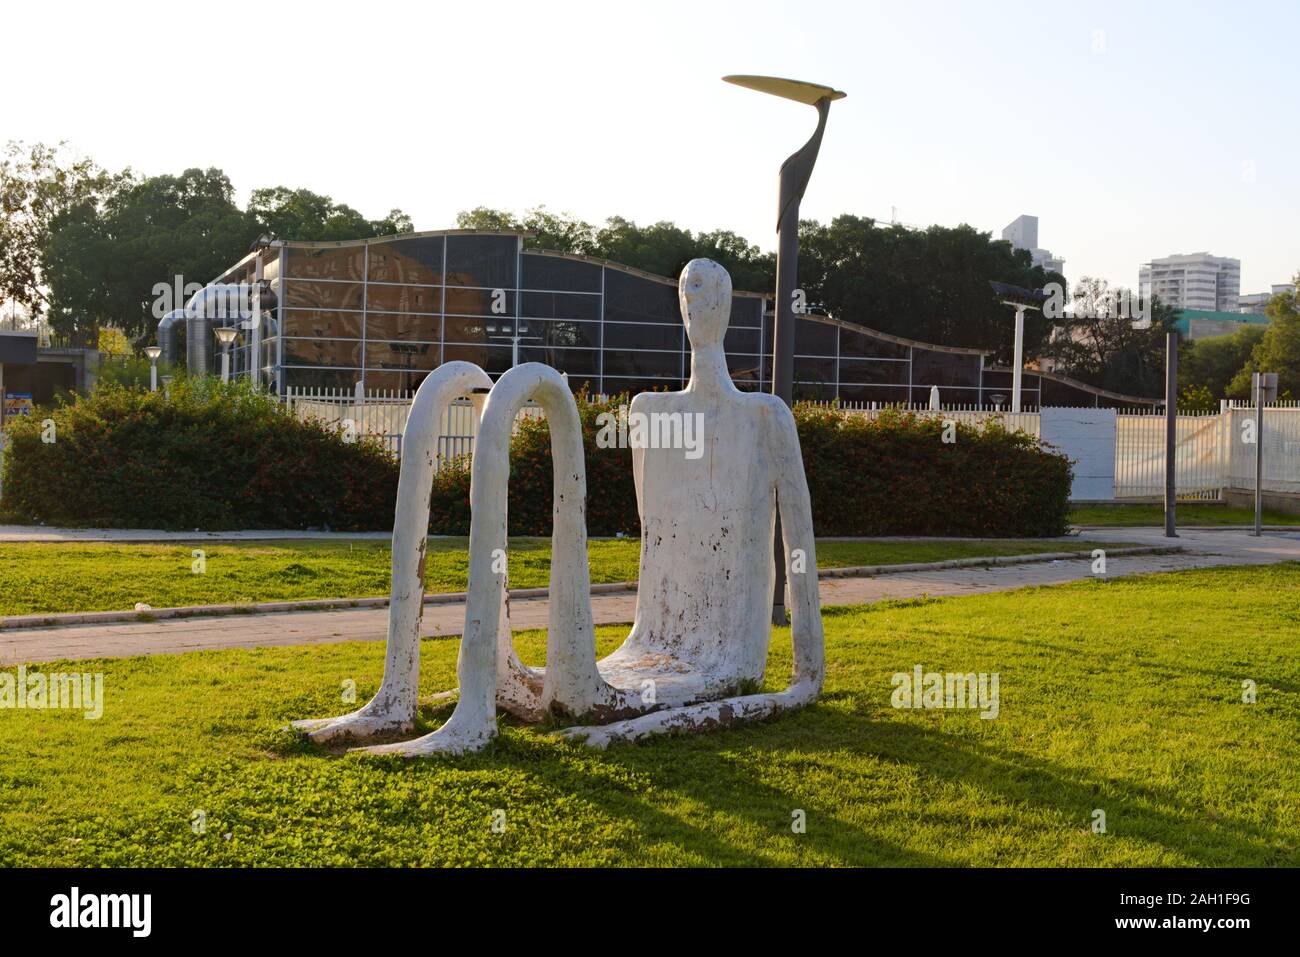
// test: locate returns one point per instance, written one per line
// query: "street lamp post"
(1171, 435)
(1020, 299)
(1018, 360)
(520, 334)
(795, 173)
(226, 335)
(1263, 389)
(153, 352)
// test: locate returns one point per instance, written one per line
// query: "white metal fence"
(1214, 449)
(379, 415)
(1140, 455)
(382, 416)
(966, 414)
(1281, 441)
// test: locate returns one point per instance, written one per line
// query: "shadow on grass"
(709, 789)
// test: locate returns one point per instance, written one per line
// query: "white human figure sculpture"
(703, 602)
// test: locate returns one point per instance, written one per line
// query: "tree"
(1100, 345)
(665, 248)
(37, 185)
(1278, 349)
(560, 232)
(1197, 398)
(113, 342)
(662, 248)
(110, 240)
(103, 259)
(1211, 364)
(300, 214)
(931, 284)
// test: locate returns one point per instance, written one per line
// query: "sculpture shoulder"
(640, 400)
(773, 408)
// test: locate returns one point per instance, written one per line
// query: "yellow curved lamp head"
(796, 90)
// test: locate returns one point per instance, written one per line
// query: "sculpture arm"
(800, 550)
(638, 461)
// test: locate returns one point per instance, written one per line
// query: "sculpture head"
(705, 291)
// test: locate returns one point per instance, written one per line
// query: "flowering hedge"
(892, 475)
(210, 457)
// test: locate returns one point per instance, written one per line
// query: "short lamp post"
(226, 335)
(153, 352)
(167, 386)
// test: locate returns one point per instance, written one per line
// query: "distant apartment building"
(1256, 301)
(1193, 281)
(1022, 233)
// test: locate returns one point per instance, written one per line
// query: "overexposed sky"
(1132, 130)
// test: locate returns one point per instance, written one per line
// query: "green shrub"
(211, 456)
(611, 493)
(220, 457)
(893, 475)
(129, 372)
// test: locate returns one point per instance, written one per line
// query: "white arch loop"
(393, 708)
(489, 671)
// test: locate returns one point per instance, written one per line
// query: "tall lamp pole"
(1263, 390)
(795, 173)
(1018, 359)
(1020, 299)
(1171, 435)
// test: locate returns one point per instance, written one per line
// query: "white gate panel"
(1087, 437)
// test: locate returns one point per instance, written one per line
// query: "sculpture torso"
(706, 536)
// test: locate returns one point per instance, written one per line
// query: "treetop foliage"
(83, 249)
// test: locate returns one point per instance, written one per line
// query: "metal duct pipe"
(228, 304)
(198, 345)
(170, 329)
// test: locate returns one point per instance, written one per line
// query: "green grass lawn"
(1186, 514)
(1121, 695)
(40, 578)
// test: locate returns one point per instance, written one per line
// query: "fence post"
(1171, 432)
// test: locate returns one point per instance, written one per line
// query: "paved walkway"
(1207, 547)
(41, 533)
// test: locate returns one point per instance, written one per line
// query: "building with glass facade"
(386, 311)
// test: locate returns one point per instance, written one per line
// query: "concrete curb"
(455, 597)
(868, 571)
(1120, 529)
